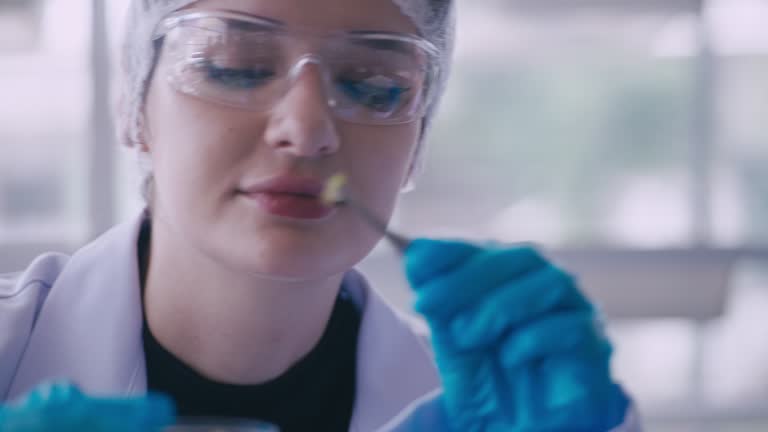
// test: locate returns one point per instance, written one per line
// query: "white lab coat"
(79, 318)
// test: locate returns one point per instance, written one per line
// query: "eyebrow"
(382, 44)
(247, 25)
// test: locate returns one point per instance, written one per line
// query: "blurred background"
(628, 138)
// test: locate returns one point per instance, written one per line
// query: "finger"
(447, 294)
(152, 410)
(524, 387)
(556, 334)
(575, 378)
(425, 258)
(470, 393)
(52, 392)
(467, 378)
(578, 390)
(515, 303)
(87, 414)
(560, 390)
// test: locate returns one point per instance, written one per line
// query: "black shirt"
(317, 393)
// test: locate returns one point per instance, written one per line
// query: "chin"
(288, 260)
(290, 251)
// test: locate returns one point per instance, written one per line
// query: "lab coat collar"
(394, 366)
(89, 331)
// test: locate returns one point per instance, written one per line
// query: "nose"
(301, 124)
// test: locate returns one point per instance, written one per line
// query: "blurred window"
(45, 84)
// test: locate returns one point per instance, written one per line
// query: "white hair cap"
(435, 20)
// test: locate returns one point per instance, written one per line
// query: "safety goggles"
(250, 63)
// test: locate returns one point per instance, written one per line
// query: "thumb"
(425, 259)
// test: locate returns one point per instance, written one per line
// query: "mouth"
(289, 197)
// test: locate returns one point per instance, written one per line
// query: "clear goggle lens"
(251, 63)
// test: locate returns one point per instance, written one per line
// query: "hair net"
(434, 19)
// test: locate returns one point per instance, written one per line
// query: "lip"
(289, 197)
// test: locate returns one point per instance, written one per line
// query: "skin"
(237, 293)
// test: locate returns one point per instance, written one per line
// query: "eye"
(236, 77)
(380, 94)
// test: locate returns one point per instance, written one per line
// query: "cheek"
(194, 146)
(379, 164)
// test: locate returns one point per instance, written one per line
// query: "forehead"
(323, 15)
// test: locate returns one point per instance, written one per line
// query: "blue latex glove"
(61, 407)
(518, 347)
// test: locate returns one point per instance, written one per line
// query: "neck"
(230, 327)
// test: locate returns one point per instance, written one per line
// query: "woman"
(234, 292)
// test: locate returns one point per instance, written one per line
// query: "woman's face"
(225, 178)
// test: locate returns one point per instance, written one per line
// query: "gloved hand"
(61, 407)
(518, 347)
